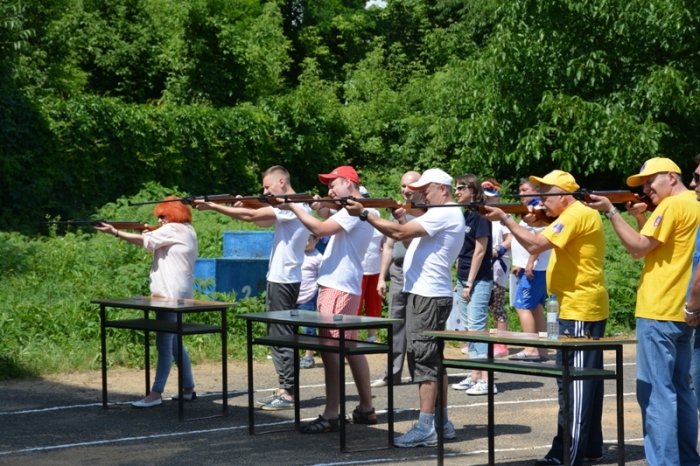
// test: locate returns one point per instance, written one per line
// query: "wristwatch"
(611, 214)
(503, 222)
(363, 215)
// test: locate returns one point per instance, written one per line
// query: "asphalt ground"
(59, 420)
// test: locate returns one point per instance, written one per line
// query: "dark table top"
(163, 304)
(317, 319)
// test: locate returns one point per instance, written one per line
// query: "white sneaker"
(465, 384)
(379, 383)
(417, 437)
(481, 387)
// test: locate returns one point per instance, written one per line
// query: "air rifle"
(253, 202)
(515, 208)
(367, 202)
(616, 197)
(118, 224)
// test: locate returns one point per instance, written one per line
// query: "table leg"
(341, 375)
(620, 407)
(566, 380)
(251, 395)
(103, 340)
(297, 401)
(390, 389)
(180, 375)
(224, 357)
(439, 417)
(490, 415)
(147, 355)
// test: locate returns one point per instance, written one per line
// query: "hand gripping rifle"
(616, 197)
(515, 208)
(118, 224)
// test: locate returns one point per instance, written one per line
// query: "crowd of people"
(418, 253)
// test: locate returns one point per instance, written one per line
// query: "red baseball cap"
(346, 171)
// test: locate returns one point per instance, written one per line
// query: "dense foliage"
(101, 98)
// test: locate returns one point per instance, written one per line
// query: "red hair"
(174, 212)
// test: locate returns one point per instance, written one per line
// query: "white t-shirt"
(288, 246)
(498, 233)
(309, 276)
(520, 254)
(174, 247)
(372, 263)
(342, 261)
(428, 263)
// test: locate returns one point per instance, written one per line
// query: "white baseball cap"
(433, 175)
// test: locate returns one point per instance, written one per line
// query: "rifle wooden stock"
(118, 224)
(253, 202)
(515, 208)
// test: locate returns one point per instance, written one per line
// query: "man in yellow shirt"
(666, 242)
(575, 275)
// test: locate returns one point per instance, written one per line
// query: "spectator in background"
(308, 292)
(500, 260)
(371, 265)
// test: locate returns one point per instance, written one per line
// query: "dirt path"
(59, 420)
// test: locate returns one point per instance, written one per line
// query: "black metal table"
(179, 328)
(567, 374)
(340, 345)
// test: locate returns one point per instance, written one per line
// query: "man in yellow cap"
(666, 242)
(575, 275)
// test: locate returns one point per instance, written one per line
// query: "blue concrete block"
(247, 277)
(248, 244)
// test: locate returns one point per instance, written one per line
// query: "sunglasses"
(696, 177)
(460, 188)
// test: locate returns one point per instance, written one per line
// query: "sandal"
(321, 426)
(368, 417)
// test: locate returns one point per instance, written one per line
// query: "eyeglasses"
(696, 177)
(460, 188)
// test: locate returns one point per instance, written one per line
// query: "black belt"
(398, 262)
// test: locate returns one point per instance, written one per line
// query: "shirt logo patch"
(468, 229)
(557, 227)
(657, 220)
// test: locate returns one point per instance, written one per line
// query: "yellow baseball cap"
(557, 178)
(652, 167)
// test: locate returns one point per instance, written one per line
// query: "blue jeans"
(166, 343)
(669, 409)
(475, 313)
(695, 366)
(309, 306)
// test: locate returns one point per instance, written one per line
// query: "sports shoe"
(448, 431)
(500, 351)
(278, 404)
(547, 461)
(267, 399)
(307, 362)
(465, 384)
(379, 383)
(417, 437)
(465, 350)
(481, 387)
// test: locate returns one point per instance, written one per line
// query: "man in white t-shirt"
(437, 240)
(340, 279)
(528, 284)
(283, 275)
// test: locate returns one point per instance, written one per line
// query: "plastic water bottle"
(552, 318)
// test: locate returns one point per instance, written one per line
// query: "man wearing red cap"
(667, 243)
(575, 275)
(340, 281)
(437, 240)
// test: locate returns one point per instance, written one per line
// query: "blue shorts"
(531, 293)
(308, 306)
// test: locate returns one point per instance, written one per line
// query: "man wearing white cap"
(437, 239)
(575, 275)
(666, 242)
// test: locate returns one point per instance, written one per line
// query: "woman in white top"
(174, 247)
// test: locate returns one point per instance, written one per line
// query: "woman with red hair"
(174, 248)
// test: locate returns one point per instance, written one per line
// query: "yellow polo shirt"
(575, 272)
(667, 268)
